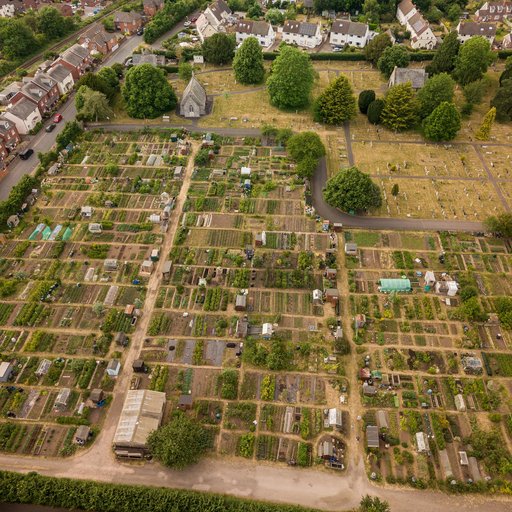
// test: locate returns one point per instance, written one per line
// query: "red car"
(194, 19)
(57, 118)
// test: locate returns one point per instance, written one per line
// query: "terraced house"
(306, 35)
(261, 30)
(351, 33)
(422, 37)
(213, 19)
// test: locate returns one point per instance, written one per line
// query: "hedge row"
(352, 56)
(101, 497)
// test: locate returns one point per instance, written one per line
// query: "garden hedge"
(352, 56)
(103, 497)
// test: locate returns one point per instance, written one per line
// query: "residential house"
(468, 29)
(415, 76)
(24, 114)
(63, 76)
(193, 101)
(77, 59)
(127, 22)
(506, 43)
(9, 134)
(82, 434)
(113, 368)
(97, 40)
(306, 35)
(213, 19)
(261, 30)
(151, 7)
(9, 92)
(6, 368)
(372, 436)
(422, 37)
(351, 33)
(50, 90)
(494, 11)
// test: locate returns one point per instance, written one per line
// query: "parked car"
(50, 127)
(26, 153)
(140, 31)
(57, 118)
(337, 49)
(187, 23)
(194, 19)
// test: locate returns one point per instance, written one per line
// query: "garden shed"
(6, 368)
(62, 399)
(372, 436)
(113, 368)
(82, 434)
(241, 302)
(395, 285)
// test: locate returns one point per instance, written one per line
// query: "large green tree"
(371, 10)
(96, 82)
(180, 442)
(400, 110)
(219, 49)
(52, 24)
(374, 49)
(337, 103)
(373, 504)
(95, 106)
(110, 76)
(502, 101)
(375, 109)
(291, 80)
(274, 16)
(16, 39)
(500, 224)
(305, 148)
(392, 56)
(444, 58)
(351, 190)
(473, 60)
(484, 132)
(248, 62)
(364, 100)
(443, 123)
(147, 93)
(437, 89)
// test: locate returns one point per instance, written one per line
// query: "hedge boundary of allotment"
(33, 488)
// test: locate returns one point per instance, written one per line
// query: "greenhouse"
(394, 285)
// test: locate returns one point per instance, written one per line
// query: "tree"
(500, 224)
(502, 101)
(52, 24)
(291, 80)
(248, 62)
(254, 12)
(119, 69)
(371, 11)
(475, 91)
(305, 148)
(395, 189)
(110, 76)
(179, 443)
(473, 60)
(79, 96)
(364, 100)
(98, 309)
(436, 90)
(506, 75)
(352, 191)
(400, 108)
(337, 103)
(274, 17)
(484, 131)
(375, 109)
(185, 71)
(70, 133)
(443, 123)
(219, 49)
(444, 58)
(97, 83)
(147, 93)
(95, 106)
(373, 504)
(374, 49)
(16, 39)
(392, 56)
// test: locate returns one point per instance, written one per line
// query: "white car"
(187, 23)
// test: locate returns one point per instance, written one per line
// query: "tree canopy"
(500, 224)
(364, 100)
(248, 62)
(396, 55)
(484, 132)
(351, 190)
(180, 442)
(219, 49)
(110, 76)
(373, 504)
(95, 105)
(473, 60)
(16, 39)
(97, 82)
(274, 16)
(147, 93)
(444, 58)
(52, 24)
(443, 123)
(375, 109)
(502, 101)
(305, 148)
(337, 103)
(400, 110)
(374, 49)
(437, 89)
(291, 80)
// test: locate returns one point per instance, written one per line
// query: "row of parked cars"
(27, 153)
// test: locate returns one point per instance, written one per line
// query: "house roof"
(33, 92)
(218, 8)
(195, 91)
(418, 24)
(153, 3)
(23, 108)
(141, 414)
(350, 28)
(5, 125)
(472, 28)
(406, 6)
(241, 300)
(416, 76)
(127, 17)
(59, 72)
(257, 28)
(296, 27)
(44, 81)
(98, 34)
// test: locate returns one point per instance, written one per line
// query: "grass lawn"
(366, 238)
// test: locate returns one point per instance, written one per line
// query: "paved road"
(43, 141)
